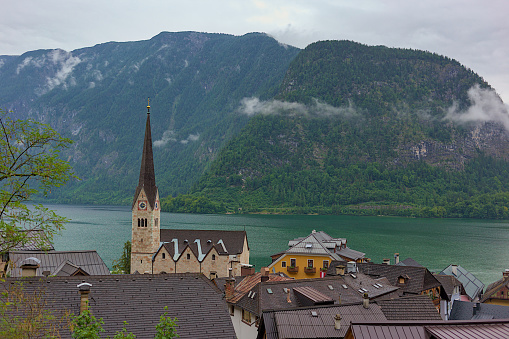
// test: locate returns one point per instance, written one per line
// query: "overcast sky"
(474, 32)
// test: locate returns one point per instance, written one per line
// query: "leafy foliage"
(123, 264)
(167, 327)
(30, 163)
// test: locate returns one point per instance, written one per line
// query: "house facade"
(497, 292)
(310, 257)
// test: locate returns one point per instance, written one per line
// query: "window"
(142, 223)
(188, 256)
(139, 222)
(293, 262)
(232, 310)
(156, 222)
(310, 262)
(283, 263)
(164, 255)
(146, 223)
(326, 264)
(213, 257)
(246, 317)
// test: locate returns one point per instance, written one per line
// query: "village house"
(139, 300)
(154, 250)
(333, 321)
(497, 292)
(455, 292)
(249, 297)
(411, 280)
(309, 257)
(473, 286)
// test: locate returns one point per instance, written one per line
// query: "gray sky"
(474, 32)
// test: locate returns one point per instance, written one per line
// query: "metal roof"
(473, 286)
(465, 310)
(88, 261)
(302, 323)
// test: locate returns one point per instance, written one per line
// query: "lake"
(480, 246)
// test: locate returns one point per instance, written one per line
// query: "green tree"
(123, 264)
(30, 164)
(167, 327)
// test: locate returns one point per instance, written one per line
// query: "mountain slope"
(97, 97)
(367, 130)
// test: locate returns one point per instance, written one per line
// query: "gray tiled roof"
(465, 310)
(302, 323)
(416, 307)
(419, 278)
(409, 262)
(277, 297)
(89, 261)
(472, 285)
(449, 282)
(140, 300)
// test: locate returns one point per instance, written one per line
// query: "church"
(214, 253)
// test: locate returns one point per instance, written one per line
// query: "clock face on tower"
(157, 204)
(142, 205)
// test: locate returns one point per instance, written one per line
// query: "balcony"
(292, 269)
(310, 270)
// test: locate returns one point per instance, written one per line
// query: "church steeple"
(147, 178)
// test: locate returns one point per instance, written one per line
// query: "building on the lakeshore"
(497, 292)
(310, 257)
(214, 253)
(411, 280)
(55, 263)
(473, 286)
(139, 300)
(248, 298)
(455, 291)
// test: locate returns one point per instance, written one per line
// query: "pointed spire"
(147, 178)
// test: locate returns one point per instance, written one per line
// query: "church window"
(156, 222)
(146, 223)
(164, 255)
(188, 256)
(142, 223)
(141, 240)
(139, 222)
(213, 257)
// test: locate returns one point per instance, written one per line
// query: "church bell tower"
(145, 210)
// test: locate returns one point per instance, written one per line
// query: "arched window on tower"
(139, 222)
(156, 222)
(146, 223)
(142, 223)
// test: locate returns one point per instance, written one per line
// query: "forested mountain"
(97, 97)
(366, 130)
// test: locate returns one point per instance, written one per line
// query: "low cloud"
(170, 136)
(253, 106)
(486, 106)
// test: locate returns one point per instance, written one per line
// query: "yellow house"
(309, 257)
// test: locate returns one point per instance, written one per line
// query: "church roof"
(147, 179)
(201, 242)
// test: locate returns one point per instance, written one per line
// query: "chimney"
(365, 300)
(230, 272)
(454, 269)
(264, 271)
(229, 288)
(84, 291)
(396, 258)
(288, 300)
(505, 274)
(476, 308)
(337, 321)
(340, 270)
(247, 270)
(387, 261)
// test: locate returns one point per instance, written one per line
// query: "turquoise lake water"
(480, 246)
